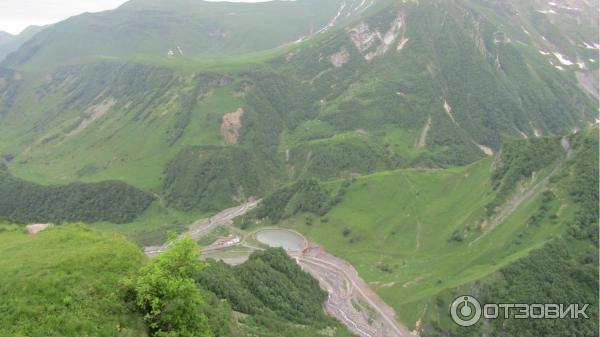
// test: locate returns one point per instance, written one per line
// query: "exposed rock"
(373, 43)
(231, 125)
(36, 228)
(93, 113)
(340, 58)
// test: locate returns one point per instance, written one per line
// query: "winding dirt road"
(350, 299)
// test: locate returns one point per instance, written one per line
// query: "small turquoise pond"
(285, 239)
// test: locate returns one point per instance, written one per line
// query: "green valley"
(402, 152)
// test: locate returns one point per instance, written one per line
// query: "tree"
(167, 295)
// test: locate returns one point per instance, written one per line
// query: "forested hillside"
(439, 147)
(112, 201)
(393, 84)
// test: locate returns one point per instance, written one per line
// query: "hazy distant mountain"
(10, 43)
(184, 28)
(4, 37)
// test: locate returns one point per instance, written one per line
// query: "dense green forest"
(304, 195)
(113, 201)
(279, 298)
(212, 178)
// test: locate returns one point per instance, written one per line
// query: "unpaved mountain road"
(203, 226)
(350, 298)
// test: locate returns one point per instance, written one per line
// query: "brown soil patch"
(93, 113)
(231, 125)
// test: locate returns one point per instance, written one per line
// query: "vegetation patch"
(65, 281)
(112, 201)
(211, 178)
(305, 195)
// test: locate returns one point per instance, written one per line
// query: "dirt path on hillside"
(423, 137)
(350, 299)
(515, 201)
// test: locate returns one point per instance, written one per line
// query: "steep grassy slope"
(414, 233)
(563, 271)
(64, 281)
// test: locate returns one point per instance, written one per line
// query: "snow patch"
(36, 228)
(523, 134)
(562, 59)
(547, 11)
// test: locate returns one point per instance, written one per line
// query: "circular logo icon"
(465, 310)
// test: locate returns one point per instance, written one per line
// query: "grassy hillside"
(563, 271)
(64, 282)
(447, 86)
(414, 233)
(75, 281)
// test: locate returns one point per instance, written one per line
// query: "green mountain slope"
(394, 84)
(112, 201)
(63, 282)
(563, 271)
(438, 231)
